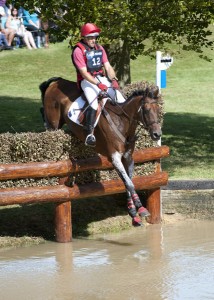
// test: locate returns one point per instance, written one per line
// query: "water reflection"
(157, 262)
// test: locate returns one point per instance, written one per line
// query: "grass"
(188, 124)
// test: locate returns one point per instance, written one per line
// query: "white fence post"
(162, 63)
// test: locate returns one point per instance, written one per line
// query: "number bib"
(94, 59)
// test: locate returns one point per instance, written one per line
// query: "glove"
(115, 84)
(102, 86)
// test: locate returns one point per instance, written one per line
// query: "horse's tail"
(44, 85)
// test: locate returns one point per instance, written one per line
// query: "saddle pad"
(76, 109)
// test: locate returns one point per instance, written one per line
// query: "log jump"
(62, 195)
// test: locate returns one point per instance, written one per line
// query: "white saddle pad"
(76, 107)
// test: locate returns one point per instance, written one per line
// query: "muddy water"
(171, 261)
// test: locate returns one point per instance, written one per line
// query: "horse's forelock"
(137, 93)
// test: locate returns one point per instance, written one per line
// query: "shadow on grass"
(20, 115)
(37, 220)
(190, 138)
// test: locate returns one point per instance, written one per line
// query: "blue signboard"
(163, 79)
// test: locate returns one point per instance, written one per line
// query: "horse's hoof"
(143, 212)
(136, 222)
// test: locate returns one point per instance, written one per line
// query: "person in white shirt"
(14, 22)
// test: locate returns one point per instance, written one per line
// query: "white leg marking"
(117, 163)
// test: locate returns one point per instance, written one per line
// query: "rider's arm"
(109, 70)
(86, 75)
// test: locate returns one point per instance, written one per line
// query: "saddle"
(76, 112)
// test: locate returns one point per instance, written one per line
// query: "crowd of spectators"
(20, 28)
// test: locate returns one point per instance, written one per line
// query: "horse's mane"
(142, 88)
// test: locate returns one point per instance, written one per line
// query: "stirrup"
(90, 140)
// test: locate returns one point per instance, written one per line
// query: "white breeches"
(91, 91)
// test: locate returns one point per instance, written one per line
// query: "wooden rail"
(62, 195)
(64, 168)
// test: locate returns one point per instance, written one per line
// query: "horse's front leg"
(119, 167)
(128, 163)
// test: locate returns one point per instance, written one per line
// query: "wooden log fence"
(62, 195)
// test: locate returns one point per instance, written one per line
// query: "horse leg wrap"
(136, 221)
(131, 208)
(142, 211)
(136, 201)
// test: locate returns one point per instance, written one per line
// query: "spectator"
(9, 32)
(4, 5)
(32, 23)
(3, 42)
(45, 26)
(16, 23)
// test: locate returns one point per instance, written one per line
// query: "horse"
(115, 132)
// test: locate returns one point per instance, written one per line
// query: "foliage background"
(132, 27)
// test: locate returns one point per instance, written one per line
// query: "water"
(171, 261)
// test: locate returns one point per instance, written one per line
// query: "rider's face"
(90, 41)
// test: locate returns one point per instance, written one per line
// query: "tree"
(133, 27)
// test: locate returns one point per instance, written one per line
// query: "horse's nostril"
(156, 135)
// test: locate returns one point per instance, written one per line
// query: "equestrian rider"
(91, 62)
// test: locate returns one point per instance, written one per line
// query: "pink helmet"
(90, 29)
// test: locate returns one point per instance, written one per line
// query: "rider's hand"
(115, 84)
(102, 86)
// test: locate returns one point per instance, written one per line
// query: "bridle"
(142, 122)
(140, 110)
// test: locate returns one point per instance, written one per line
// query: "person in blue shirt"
(32, 23)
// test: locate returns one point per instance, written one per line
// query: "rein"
(119, 134)
(145, 124)
(108, 117)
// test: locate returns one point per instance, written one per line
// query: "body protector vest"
(93, 59)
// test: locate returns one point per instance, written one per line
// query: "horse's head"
(148, 114)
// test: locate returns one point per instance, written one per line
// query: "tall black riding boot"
(90, 120)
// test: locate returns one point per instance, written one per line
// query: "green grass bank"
(188, 123)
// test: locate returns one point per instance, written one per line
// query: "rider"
(91, 61)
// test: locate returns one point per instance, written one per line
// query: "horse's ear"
(156, 91)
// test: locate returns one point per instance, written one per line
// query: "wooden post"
(63, 227)
(154, 206)
(63, 222)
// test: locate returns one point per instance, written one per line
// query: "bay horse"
(115, 132)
